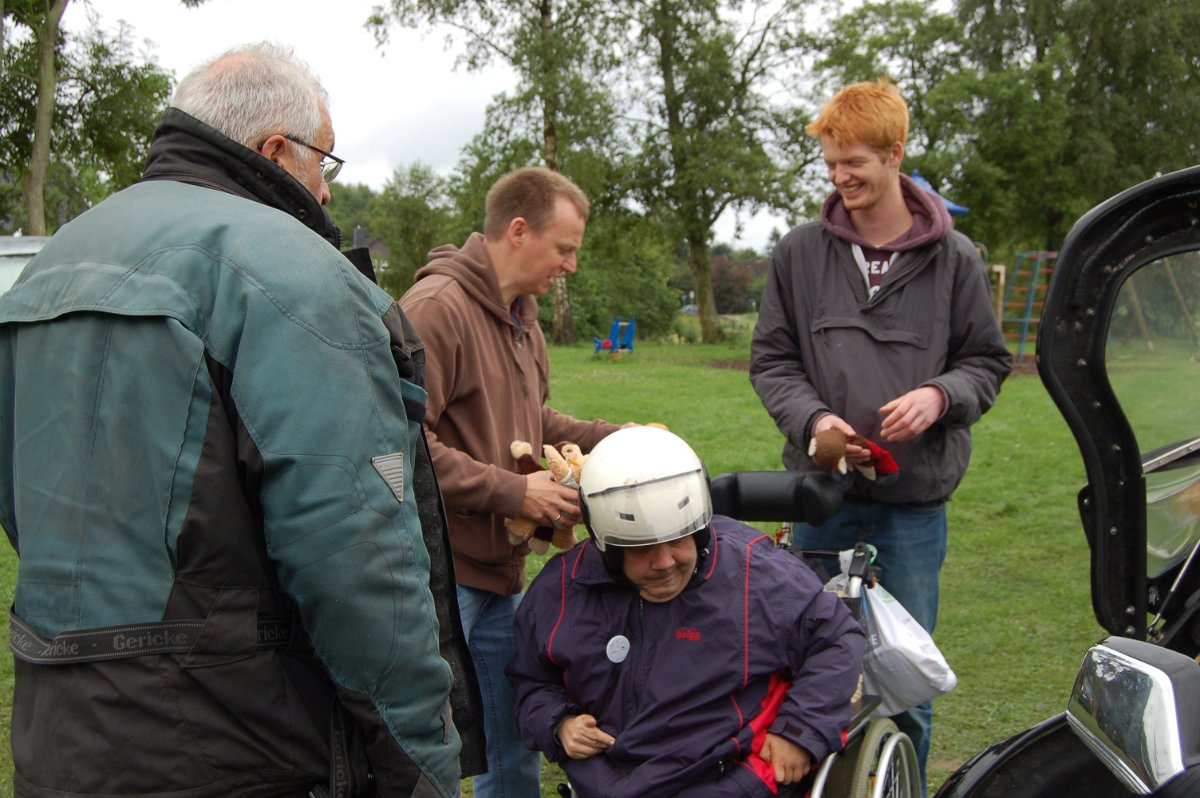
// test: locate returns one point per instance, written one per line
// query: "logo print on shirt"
(687, 633)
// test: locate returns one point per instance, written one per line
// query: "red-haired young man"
(876, 320)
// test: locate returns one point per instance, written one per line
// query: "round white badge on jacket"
(618, 649)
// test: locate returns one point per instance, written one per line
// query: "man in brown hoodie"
(876, 320)
(487, 375)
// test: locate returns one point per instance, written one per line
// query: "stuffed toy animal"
(828, 450)
(575, 459)
(565, 466)
(565, 463)
(522, 452)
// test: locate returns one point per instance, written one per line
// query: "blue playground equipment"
(620, 338)
(953, 207)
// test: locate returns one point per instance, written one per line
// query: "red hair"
(870, 112)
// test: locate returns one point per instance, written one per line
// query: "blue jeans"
(513, 770)
(911, 544)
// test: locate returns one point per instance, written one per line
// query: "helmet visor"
(651, 511)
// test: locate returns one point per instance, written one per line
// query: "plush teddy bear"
(565, 464)
(828, 450)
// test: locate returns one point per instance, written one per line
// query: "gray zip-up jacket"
(822, 346)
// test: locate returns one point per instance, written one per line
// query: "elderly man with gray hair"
(212, 467)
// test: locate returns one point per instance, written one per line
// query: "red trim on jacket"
(746, 610)
(562, 609)
(578, 558)
(562, 599)
(746, 619)
(776, 691)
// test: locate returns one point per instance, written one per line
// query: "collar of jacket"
(189, 151)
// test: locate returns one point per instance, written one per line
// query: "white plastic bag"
(903, 666)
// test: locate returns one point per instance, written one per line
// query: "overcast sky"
(392, 106)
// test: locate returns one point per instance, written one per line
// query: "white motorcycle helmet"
(644, 485)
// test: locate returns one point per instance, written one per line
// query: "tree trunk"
(706, 303)
(562, 328)
(686, 208)
(39, 160)
(550, 90)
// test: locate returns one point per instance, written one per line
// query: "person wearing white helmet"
(676, 652)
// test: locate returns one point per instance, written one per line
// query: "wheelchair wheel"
(830, 779)
(886, 764)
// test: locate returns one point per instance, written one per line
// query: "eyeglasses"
(331, 165)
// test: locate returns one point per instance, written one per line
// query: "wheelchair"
(878, 760)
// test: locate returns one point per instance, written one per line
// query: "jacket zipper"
(636, 647)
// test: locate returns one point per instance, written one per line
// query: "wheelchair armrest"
(861, 709)
(811, 497)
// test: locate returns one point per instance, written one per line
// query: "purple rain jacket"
(682, 685)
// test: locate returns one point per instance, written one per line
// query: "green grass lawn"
(1015, 610)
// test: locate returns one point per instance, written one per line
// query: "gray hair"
(252, 92)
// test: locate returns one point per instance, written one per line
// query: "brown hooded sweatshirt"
(487, 374)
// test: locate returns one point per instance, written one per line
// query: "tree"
(710, 137)
(730, 286)
(353, 205)
(412, 215)
(1032, 111)
(101, 114)
(1077, 101)
(548, 42)
(772, 240)
(923, 51)
(42, 18)
(696, 127)
(626, 258)
(416, 217)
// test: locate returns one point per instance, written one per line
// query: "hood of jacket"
(189, 151)
(931, 220)
(471, 267)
